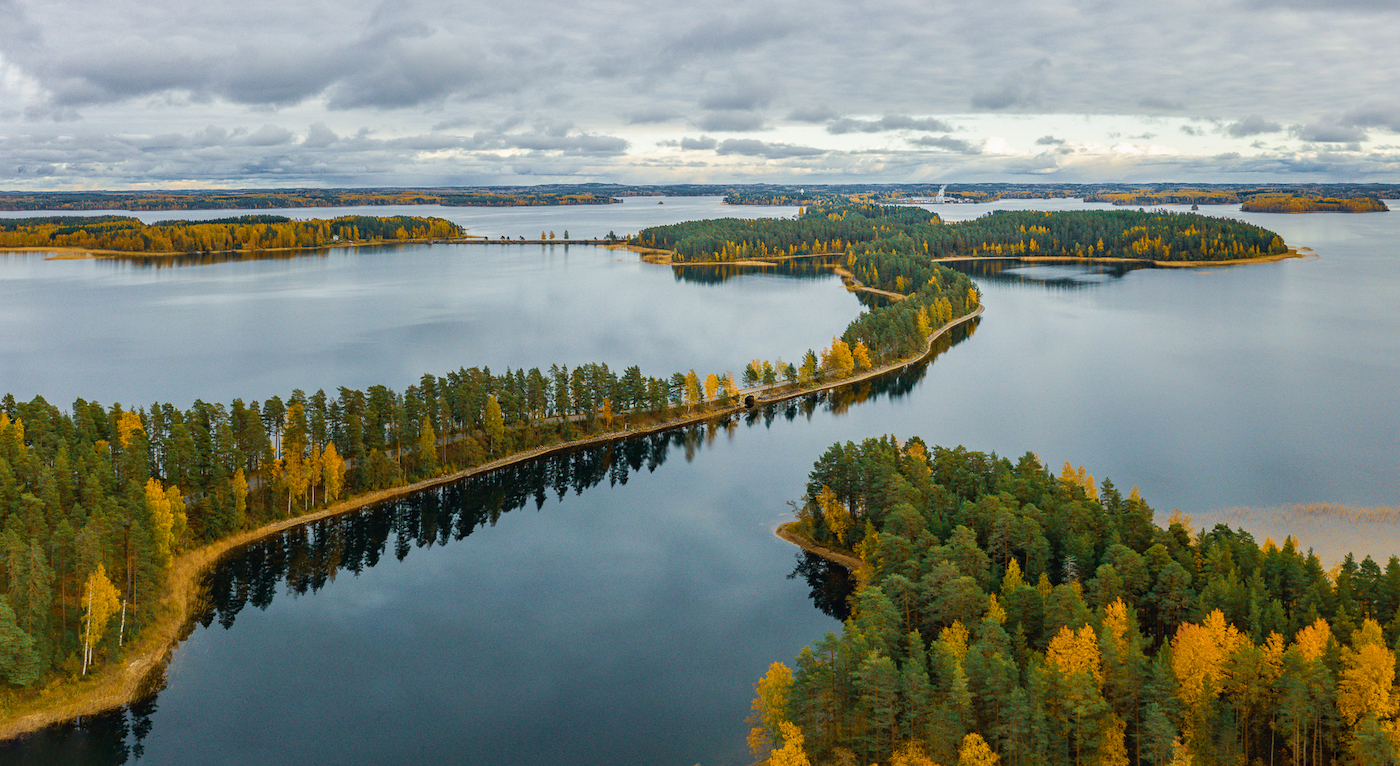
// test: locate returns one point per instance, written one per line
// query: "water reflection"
(713, 274)
(831, 584)
(307, 558)
(1056, 276)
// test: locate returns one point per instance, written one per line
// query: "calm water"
(627, 622)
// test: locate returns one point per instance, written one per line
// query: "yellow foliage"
(1312, 640)
(1201, 650)
(1013, 578)
(911, 754)
(167, 509)
(834, 514)
(791, 753)
(1072, 652)
(769, 708)
(1115, 620)
(954, 638)
(1113, 750)
(100, 602)
(994, 610)
(127, 425)
(1365, 683)
(975, 752)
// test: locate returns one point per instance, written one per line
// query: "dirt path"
(789, 532)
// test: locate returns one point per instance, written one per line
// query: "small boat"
(660, 202)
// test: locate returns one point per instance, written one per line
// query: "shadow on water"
(800, 268)
(1063, 276)
(307, 558)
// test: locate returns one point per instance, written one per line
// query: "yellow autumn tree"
(100, 602)
(976, 752)
(1201, 651)
(911, 754)
(861, 354)
(791, 753)
(692, 389)
(167, 513)
(240, 498)
(1312, 640)
(127, 426)
(1367, 678)
(769, 710)
(711, 386)
(333, 471)
(1072, 652)
(834, 514)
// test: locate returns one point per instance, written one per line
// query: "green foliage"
(249, 232)
(951, 637)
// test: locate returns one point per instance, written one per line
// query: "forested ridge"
(859, 230)
(249, 232)
(96, 502)
(1006, 615)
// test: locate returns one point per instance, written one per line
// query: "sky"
(172, 94)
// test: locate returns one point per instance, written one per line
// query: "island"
(1287, 203)
(860, 232)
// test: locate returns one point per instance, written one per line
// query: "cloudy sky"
(179, 93)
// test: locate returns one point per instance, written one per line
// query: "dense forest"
(249, 232)
(1002, 613)
(96, 503)
(862, 230)
(1295, 204)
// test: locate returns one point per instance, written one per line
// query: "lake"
(618, 622)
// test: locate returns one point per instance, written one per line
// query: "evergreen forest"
(1003, 614)
(861, 229)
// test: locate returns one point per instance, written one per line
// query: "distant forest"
(1002, 614)
(249, 232)
(861, 230)
(734, 194)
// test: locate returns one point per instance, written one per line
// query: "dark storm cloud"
(1252, 125)
(750, 147)
(887, 123)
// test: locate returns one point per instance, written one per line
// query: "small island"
(1288, 203)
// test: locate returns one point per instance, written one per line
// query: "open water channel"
(617, 606)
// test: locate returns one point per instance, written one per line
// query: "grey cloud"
(652, 114)
(1318, 132)
(1161, 104)
(1376, 116)
(269, 135)
(745, 96)
(1015, 91)
(456, 122)
(318, 136)
(731, 122)
(1049, 141)
(1192, 130)
(1252, 125)
(701, 143)
(813, 114)
(754, 148)
(887, 123)
(947, 143)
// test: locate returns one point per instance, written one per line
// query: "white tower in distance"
(940, 199)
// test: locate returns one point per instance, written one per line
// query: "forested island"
(866, 231)
(1294, 204)
(1001, 614)
(109, 512)
(123, 234)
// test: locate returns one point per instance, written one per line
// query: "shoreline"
(787, 531)
(139, 672)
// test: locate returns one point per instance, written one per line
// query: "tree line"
(249, 232)
(914, 232)
(1003, 614)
